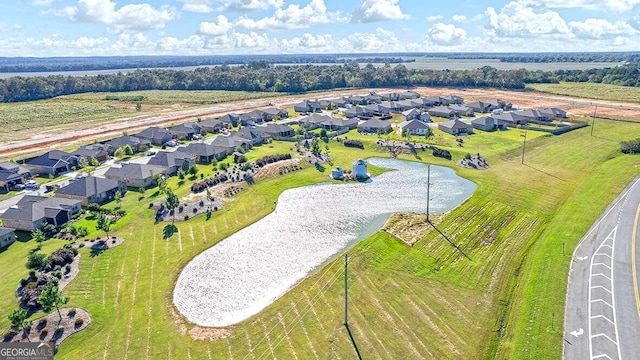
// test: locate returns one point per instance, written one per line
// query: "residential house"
(206, 153)
(479, 106)
(375, 126)
(392, 96)
(254, 134)
(155, 135)
(32, 212)
(137, 144)
(337, 124)
(185, 131)
(408, 95)
(276, 113)
(489, 123)
(378, 109)
(279, 131)
(7, 236)
(403, 105)
(441, 111)
(255, 116)
(373, 98)
(54, 162)
(214, 125)
(341, 102)
(456, 127)
(553, 113)
(393, 106)
(425, 117)
(452, 99)
(461, 110)
(532, 115)
(421, 103)
(233, 119)
(93, 151)
(232, 141)
(358, 111)
(313, 121)
(358, 100)
(135, 175)
(307, 106)
(91, 189)
(414, 127)
(512, 118)
(325, 104)
(434, 101)
(173, 160)
(411, 114)
(12, 174)
(498, 104)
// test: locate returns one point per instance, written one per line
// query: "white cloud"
(518, 20)
(378, 10)
(292, 17)
(219, 27)
(128, 18)
(446, 34)
(41, 2)
(198, 6)
(459, 18)
(207, 6)
(601, 29)
(615, 5)
(433, 18)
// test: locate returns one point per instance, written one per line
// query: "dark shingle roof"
(32, 208)
(88, 186)
(135, 171)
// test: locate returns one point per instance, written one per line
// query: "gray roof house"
(441, 111)
(461, 110)
(185, 130)
(498, 104)
(452, 99)
(32, 212)
(456, 127)
(276, 113)
(173, 160)
(233, 119)
(231, 141)
(434, 101)
(98, 151)
(408, 95)
(7, 236)
(12, 173)
(53, 162)
(358, 111)
(411, 114)
(341, 102)
(377, 109)
(278, 131)
(489, 123)
(553, 113)
(137, 144)
(531, 114)
(91, 189)
(206, 153)
(155, 135)
(255, 135)
(214, 125)
(307, 106)
(511, 118)
(256, 116)
(135, 175)
(313, 121)
(414, 127)
(375, 126)
(337, 124)
(479, 106)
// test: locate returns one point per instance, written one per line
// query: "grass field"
(165, 97)
(425, 301)
(591, 91)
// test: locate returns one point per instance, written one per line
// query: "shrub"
(630, 147)
(36, 260)
(79, 322)
(354, 143)
(57, 274)
(186, 217)
(442, 153)
(72, 312)
(44, 333)
(32, 274)
(42, 322)
(24, 282)
(67, 268)
(61, 257)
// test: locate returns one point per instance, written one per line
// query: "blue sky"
(204, 27)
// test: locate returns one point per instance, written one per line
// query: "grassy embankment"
(426, 301)
(20, 120)
(591, 91)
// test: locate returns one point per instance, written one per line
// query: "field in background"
(168, 97)
(591, 91)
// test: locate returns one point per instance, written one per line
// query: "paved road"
(602, 319)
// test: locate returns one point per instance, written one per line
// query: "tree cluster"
(630, 147)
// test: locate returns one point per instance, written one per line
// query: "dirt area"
(410, 227)
(49, 328)
(198, 332)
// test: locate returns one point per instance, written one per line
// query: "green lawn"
(425, 301)
(164, 97)
(591, 91)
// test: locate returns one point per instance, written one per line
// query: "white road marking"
(603, 264)
(604, 317)
(602, 287)
(602, 355)
(583, 258)
(577, 333)
(601, 300)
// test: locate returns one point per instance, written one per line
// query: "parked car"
(32, 185)
(17, 187)
(170, 143)
(151, 153)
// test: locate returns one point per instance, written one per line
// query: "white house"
(360, 169)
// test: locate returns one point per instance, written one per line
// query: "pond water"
(249, 270)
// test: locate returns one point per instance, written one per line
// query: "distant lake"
(252, 268)
(421, 63)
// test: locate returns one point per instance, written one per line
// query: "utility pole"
(346, 308)
(524, 143)
(428, 186)
(593, 122)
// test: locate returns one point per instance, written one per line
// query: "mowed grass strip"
(436, 302)
(164, 97)
(591, 91)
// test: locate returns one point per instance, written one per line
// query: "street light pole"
(428, 186)
(593, 122)
(524, 144)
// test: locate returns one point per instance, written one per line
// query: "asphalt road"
(602, 319)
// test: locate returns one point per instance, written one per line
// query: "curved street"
(602, 319)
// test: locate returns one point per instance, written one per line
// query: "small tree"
(209, 196)
(428, 133)
(118, 198)
(128, 150)
(162, 183)
(193, 170)
(141, 191)
(94, 161)
(181, 174)
(172, 202)
(119, 153)
(50, 298)
(38, 236)
(315, 147)
(36, 260)
(18, 319)
(138, 106)
(82, 162)
(103, 223)
(323, 133)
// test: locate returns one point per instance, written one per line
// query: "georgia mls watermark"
(26, 351)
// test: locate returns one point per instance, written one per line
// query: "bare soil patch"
(410, 227)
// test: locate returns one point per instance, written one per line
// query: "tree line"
(262, 76)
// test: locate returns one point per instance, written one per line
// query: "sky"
(213, 27)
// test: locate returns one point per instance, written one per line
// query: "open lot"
(425, 301)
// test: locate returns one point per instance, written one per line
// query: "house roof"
(488, 120)
(375, 124)
(202, 149)
(185, 128)
(229, 117)
(135, 171)
(405, 103)
(127, 140)
(410, 112)
(88, 186)
(414, 124)
(32, 208)
(5, 230)
(274, 111)
(154, 132)
(250, 133)
(13, 167)
(50, 159)
(529, 113)
(509, 117)
(441, 110)
(277, 129)
(170, 158)
(314, 119)
(92, 150)
(456, 107)
(455, 125)
(228, 141)
(214, 122)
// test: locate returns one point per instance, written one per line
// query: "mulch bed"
(49, 328)
(100, 243)
(476, 162)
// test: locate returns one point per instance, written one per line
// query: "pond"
(311, 225)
